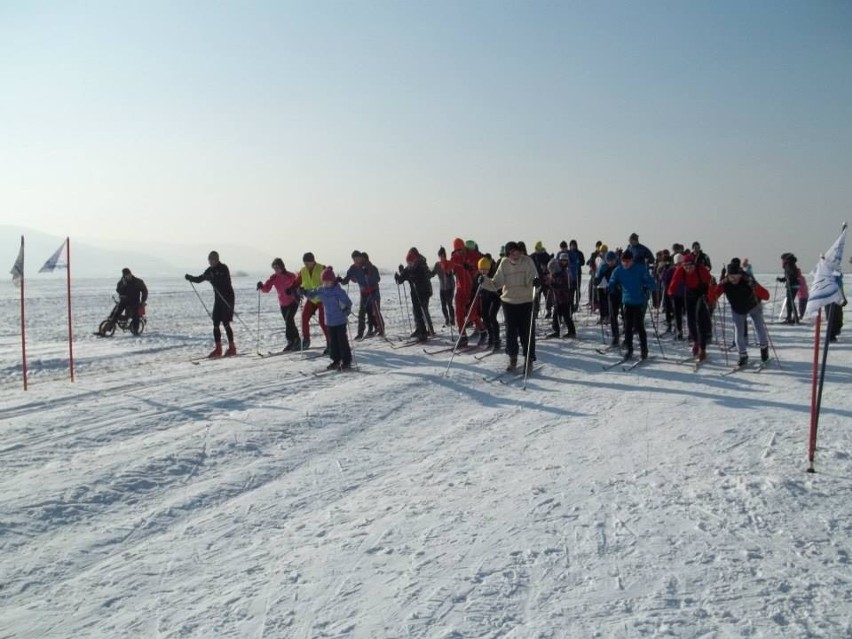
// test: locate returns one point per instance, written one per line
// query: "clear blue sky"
(329, 126)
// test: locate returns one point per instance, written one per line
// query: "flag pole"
(816, 399)
(68, 285)
(814, 387)
(23, 324)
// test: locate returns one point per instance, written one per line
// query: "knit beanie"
(328, 275)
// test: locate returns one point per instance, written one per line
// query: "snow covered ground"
(157, 497)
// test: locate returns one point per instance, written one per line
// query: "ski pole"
(771, 343)
(200, 299)
(656, 333)
(724, 336)
(407, 312)
(774, 299)
(458, 340)
(231, 308)
(529, 346)
(257, 341)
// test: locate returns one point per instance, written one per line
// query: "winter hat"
(125, 271)
(470, 245)
(610, 256)
(539, 246)
(411, 256)
(734, 268)
(563, 257)
(511, 246)
(627, 255)
(678, 258)
(604, 248)
(458, 244)
(328, 275)
(483, 264)
(689, 258)
(633, 236)
(308, 257)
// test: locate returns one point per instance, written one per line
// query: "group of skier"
(474, 287)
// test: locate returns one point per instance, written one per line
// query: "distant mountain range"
(92, 258)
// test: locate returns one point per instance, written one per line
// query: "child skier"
(337, 306)
(489, 301)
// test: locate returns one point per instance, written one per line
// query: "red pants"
(307, 313)
(461, 312)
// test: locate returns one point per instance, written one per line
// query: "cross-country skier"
(416, 273)
(285, 286)
(636, 284)
(744, 295)
(219, 277)
(697, 281)
(367, 276)
(337, 307)
(517, 277)
(309, 279)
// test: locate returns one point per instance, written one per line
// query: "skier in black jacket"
(416, 273)
(223, 307)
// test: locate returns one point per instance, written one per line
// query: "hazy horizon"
(285, 127)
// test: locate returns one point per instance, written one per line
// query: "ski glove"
(259, 285)
(187, 277)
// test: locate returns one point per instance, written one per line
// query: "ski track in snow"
(240, 498)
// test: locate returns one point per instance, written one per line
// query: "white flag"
(18, 269)
(58, 260)
(826, 287)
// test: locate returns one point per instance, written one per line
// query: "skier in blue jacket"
(338, 307)
(636, 283)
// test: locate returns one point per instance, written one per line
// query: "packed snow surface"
(157, 496)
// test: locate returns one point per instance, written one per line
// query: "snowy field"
(158, 497)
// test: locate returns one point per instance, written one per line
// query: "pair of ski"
(627, 363)
(748, 366)
(198, 360)
(408, 342)
(326, 371)
(305, 354)
(693, 361)
(509, 376)
(462, 351)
